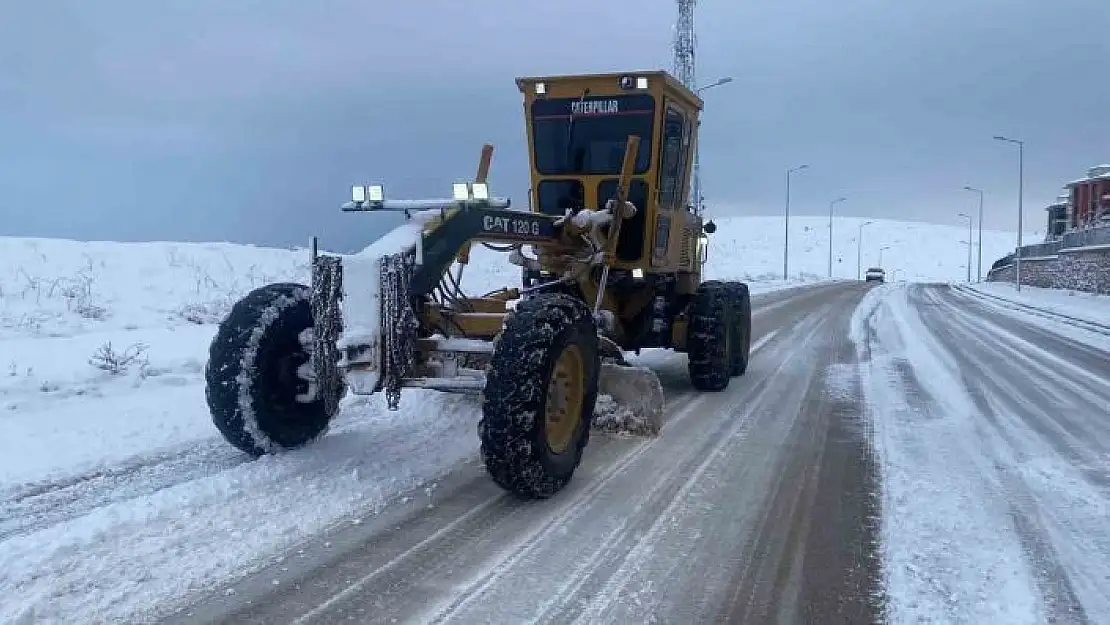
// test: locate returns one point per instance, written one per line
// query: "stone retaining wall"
(1081, 269)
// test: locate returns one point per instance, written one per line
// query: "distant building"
(1058, 215)
(1089, 199)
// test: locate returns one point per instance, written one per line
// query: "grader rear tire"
(539, 398)
(709, 336)
(741, 328)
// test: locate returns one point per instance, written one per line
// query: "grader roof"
(571, 84)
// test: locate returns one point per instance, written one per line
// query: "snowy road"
(992, 430)
(754, 504)
(907, 453)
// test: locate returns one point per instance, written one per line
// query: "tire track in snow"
(949, 545)
(492, 562)
(31, 507)
(1060, 537)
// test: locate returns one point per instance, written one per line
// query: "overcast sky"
(248, 121)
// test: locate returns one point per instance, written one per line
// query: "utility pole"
(859, 250)
(979, 265)
(699, 199)
(969, 237)
(831, 204)
(786, 237)
(885, 247)
(1021, 186)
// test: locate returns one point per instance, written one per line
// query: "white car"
(875, 274)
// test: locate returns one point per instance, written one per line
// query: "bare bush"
(107, 359)
(210, 311)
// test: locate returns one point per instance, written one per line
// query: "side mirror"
(709, 227)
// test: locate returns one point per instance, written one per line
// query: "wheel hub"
(565, 396)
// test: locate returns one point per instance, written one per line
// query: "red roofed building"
(1089, 199)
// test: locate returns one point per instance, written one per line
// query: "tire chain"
(399, 324)
(327, 281)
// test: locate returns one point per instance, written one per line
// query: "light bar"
(363, 194)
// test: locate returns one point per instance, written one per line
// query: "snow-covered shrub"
(107, 359)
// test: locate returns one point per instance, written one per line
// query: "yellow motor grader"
(611, 253)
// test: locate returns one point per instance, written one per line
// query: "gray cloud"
(247, 121)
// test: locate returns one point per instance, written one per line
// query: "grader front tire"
(539, 398)
(255, 379)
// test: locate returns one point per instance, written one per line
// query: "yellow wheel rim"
(565, 395)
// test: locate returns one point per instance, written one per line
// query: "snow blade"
(630, 400)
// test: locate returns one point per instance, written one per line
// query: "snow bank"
(1085, 306)
(54, 287)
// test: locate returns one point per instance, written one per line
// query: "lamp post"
(698, 199)
(979, 263)
(859, 250)
(885, 247)
(969, 234)
(786, 237)
(831, 204)
(1021, 180)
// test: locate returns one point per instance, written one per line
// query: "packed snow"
(120, 498)
(994, 503)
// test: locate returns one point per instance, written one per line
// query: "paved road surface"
(755, 504)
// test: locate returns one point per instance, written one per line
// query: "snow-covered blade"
(631, 400)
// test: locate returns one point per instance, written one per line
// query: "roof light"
(541, 88)
(638, 273)
(358, 194)
(460, 191)
(375, 193)
(641, 82)
(481, 190)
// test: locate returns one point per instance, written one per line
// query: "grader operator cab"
(611, 256)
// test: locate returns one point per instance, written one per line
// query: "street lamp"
(969, 234)
(786, 238)
(698, 199)
(979, 264)
(885, 247)
(716, 83)
(831, 204)
(1021, 181)
(859, 250)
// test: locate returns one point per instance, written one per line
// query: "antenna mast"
(684, 46)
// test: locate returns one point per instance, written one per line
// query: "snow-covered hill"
(918, 252)
(51, 287)
(116, 491)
